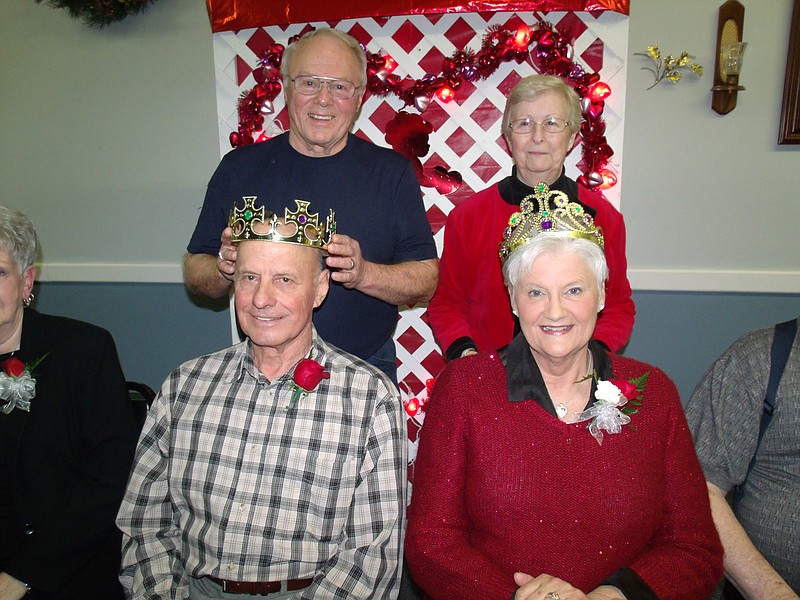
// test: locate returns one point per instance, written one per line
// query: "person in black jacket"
(67, 437)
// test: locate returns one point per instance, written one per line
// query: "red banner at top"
(233, 15)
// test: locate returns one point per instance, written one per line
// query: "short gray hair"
(521, 260)
(530, 87)
(18, 238)
(347, 39)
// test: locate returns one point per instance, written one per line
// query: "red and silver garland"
(548, 51)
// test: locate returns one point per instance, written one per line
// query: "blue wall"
(158, 326)
(684, 332)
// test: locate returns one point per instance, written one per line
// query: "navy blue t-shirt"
(376, 197)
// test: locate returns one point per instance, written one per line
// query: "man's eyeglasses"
(308, 85)
(550, 125)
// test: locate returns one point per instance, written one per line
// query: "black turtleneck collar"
(513, 190)
(524, 380)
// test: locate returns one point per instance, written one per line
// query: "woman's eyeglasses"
(527, 125)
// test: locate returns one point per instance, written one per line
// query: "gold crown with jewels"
(299, 227)
(550, 212)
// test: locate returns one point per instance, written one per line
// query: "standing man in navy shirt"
(385, 258)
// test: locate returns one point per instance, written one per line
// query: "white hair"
(521, 260)
(18, 237)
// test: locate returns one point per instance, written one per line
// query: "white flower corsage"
(17, 385)
(617, 399)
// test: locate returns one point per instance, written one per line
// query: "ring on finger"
(220, 255)
(553, 596)
(352, 264)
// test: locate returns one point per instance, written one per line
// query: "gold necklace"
(561, 408)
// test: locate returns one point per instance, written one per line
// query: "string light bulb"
(599, 91)
(445, 93)
(609, 179)
(522, 37)
(389, 64)
(412, 407)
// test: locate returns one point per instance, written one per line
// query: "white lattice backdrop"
(466, 136)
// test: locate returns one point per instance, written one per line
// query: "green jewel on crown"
(296, 227)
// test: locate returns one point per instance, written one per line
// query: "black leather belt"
(260, 588)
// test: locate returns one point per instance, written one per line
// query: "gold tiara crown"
(549, 212)
(299, 227)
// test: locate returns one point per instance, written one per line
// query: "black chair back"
(142, 396)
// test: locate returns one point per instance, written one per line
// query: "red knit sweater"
(505, 486)
(471, 300)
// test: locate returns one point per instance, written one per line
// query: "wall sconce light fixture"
(730, 52)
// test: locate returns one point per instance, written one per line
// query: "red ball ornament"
(593, 130)
(268, 90)
(487, 62)
(561, 66)
(604, 151)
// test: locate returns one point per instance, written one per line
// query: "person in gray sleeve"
(744, 449)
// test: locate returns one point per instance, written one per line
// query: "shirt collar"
(524, 380)
(246, 365)
(513, 190)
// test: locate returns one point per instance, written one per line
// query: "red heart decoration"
(445, 182)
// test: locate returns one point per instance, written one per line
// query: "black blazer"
(64, 464)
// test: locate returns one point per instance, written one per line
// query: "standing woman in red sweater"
(556, 470)
(470, 309)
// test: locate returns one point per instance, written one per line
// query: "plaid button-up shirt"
(229, 483)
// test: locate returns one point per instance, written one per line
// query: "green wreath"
(99, 13)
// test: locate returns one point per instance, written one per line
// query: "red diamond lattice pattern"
(466, 138)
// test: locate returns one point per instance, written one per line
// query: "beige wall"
(704, 191)
(109, 137)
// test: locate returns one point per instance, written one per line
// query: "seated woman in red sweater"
(555, 469)
(470, 309)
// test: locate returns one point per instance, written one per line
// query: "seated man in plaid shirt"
(274, 468)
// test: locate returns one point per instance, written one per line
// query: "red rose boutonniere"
(305, 379)
(617, 399)
(13, 367)
(17, 385)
